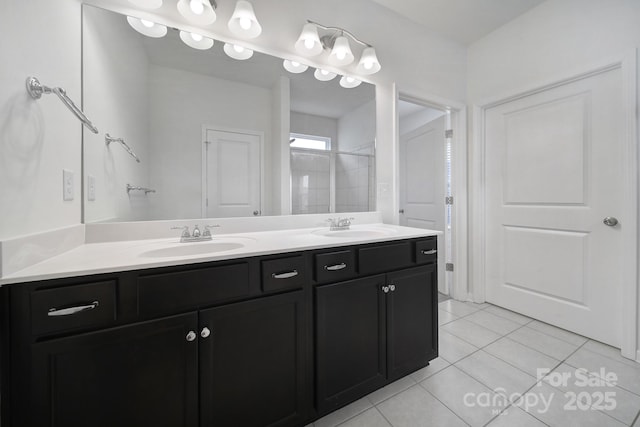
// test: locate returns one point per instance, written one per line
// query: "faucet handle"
(196, 231)
(207, 231)
(185, 230)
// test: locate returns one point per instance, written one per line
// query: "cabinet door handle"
(71, 310)
(335, 267)
(392, 288)
(385, 289)
(287, 275)
(191, 336)
(205, 332)
(430, 252)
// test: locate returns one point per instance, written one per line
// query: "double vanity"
(273, 328)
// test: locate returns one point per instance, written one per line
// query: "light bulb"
(146, 23)
(245, 23)
(350, 79)
(196, 7)
(309, 43)
(238, 49)
(341, 54)
(196, 37)
(295, 63)
(368, 65)
(324, 72)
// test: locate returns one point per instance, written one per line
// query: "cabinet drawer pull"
(71, 310)
(191, 336)
(385, 289)
(205, 332)
(287, 275)
(392, 288)
(431, 252)
(335, 267)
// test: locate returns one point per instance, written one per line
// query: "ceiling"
(464, 21)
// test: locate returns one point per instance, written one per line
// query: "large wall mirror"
(215, 136)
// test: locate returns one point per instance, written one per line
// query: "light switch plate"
(67, 184)
(91, 188)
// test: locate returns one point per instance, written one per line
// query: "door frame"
(627, 63)
(459, 214)
(203, 191)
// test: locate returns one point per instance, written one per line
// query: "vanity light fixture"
(196, 40)
(294, 66)
(243, 22)
(148, 28)
(324, 75)
(337, 41)
(237, 52)
(309, 42)
(349, 82)
(147, 4)
(200, 12)
(341, 52)
(369, 63)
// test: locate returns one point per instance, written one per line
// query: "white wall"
(413, 121)
(117, 98)
(39, 138)
(552, 41)
(180, 103)
(357, 130)
(280, 166)
(309, 124)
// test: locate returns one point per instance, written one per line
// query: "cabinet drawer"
(332, 266)
(173, 292)
(427, 251)
(283, 273)
(73, 307)
(380, 258)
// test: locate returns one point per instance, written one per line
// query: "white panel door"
(553, 173)
(232, 174)
(422, 183)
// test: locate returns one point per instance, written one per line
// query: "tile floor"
(487, 375)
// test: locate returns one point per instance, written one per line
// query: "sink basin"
(189, 249)
(362, 233)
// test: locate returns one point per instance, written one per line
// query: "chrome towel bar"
(146, 190)
(108, 139)
(36, 89)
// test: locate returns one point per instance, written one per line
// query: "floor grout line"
(443, 404)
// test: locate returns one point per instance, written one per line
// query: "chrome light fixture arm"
(36, 89)
(329, 40)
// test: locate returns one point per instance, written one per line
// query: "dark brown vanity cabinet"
(144, 374)
(276, 340)
(372, 331)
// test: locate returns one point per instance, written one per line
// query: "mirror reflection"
(216, 136)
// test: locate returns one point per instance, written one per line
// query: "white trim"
(260, 136)
(459, 216)
(628, 65)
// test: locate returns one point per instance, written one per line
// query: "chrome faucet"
(197, 235)
(337, 224)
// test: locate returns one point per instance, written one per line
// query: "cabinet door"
(412, 324)
(252, 365)
(350, 346)
(144, 374)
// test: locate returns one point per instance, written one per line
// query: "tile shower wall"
(310, 182)
(354, 183)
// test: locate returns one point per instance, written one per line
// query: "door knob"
(205, 332)
(256, 213)
(191, 336)
(611, 221)
(401, 211)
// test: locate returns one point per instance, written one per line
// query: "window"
(310, 142)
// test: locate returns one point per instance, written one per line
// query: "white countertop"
(96, 258)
